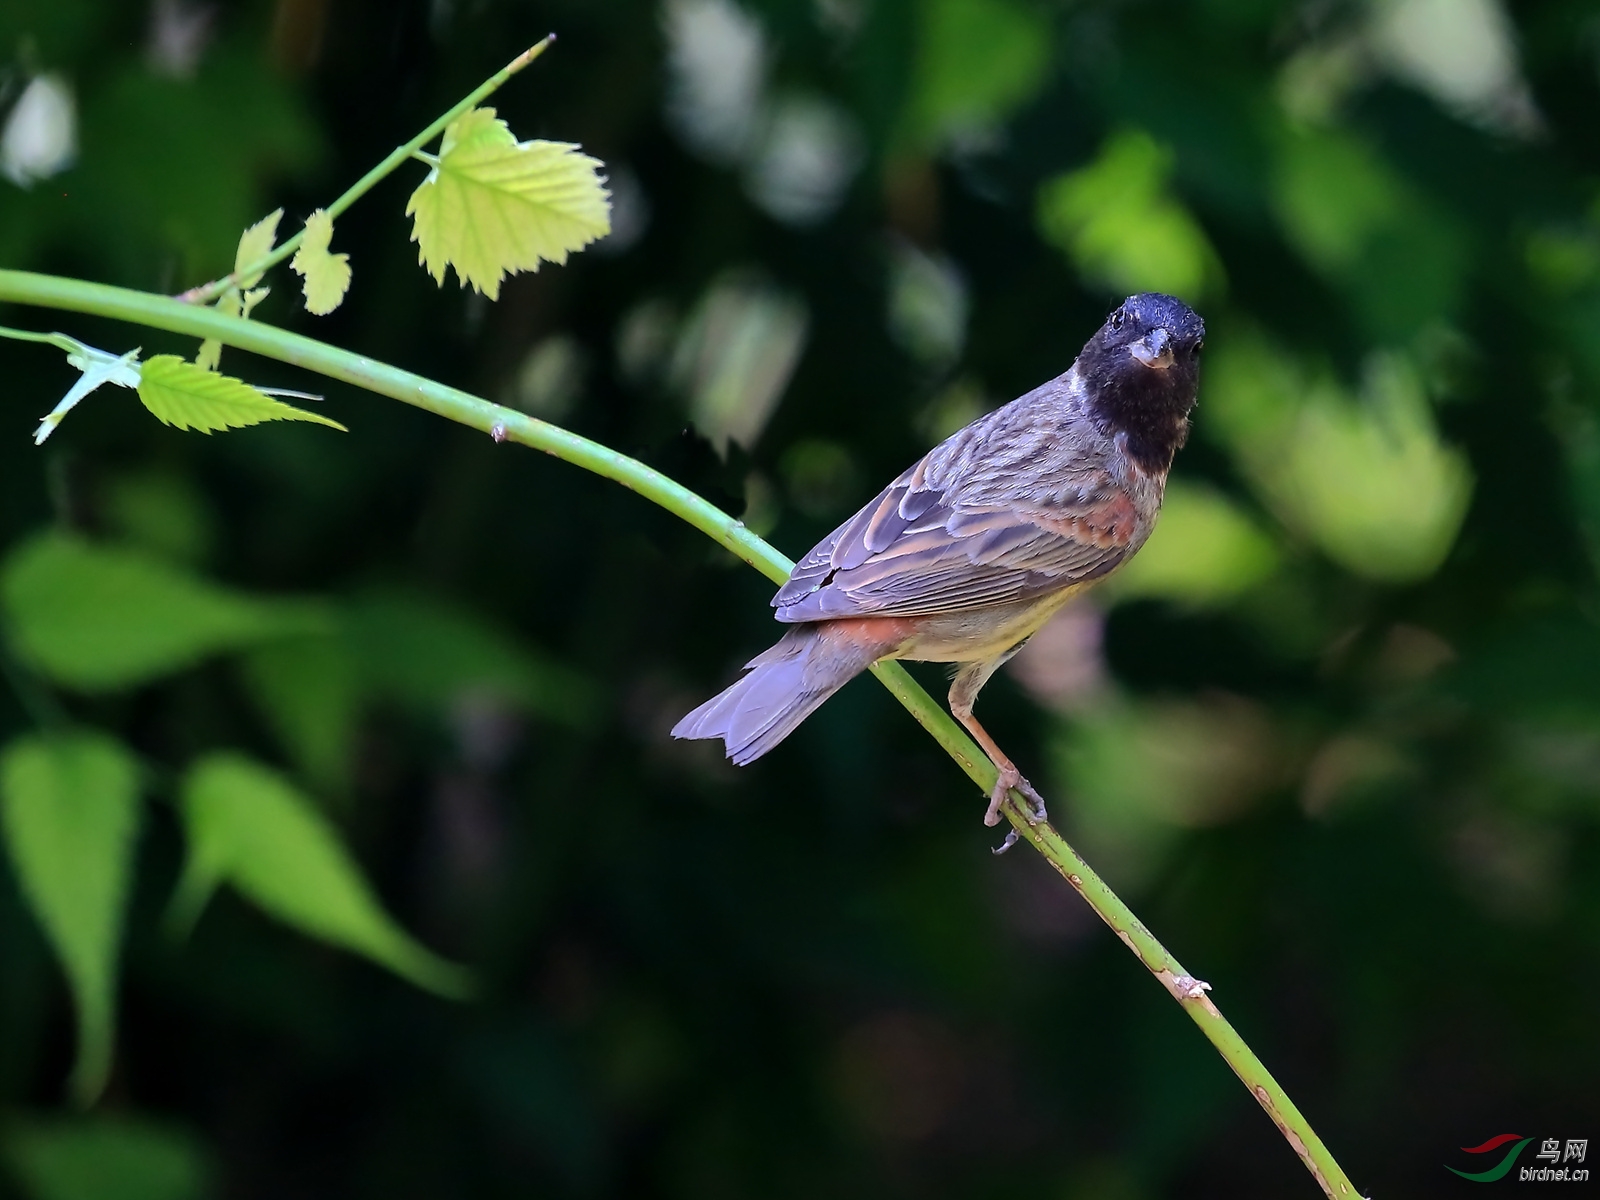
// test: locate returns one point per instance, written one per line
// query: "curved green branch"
(505, 424)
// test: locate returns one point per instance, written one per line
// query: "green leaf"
(95, 618)
(189, 192)
(327, 276)
(250, 827)
(1122, 228)
(252, 298)
(494, 206)
(1401, 258)
(106, 1159)
(1334, 195)
(209, 356)
(188, 396)
(403, 651)
(977, 60)
(70, 809)
(423, 653)
(254, 245)
(1376, 487)
(1142, 771)
(231, 303)
(160, 511)
(1205, 550)
(310, 692)
(1365, 477)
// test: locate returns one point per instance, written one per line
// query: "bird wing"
(918, 549)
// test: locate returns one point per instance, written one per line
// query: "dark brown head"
(1141, 373)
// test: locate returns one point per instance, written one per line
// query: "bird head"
(1141, 373)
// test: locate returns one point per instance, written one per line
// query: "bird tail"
(784, 686)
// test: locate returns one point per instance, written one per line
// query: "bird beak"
(1154, 349)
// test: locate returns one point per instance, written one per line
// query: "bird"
(974, 547)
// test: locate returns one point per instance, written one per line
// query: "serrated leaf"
(495, 206)
(209, 356)
(327, 276)
(249, 827)
(254, 245)
(96, 618)
(252, 298)
(70, 809)
(187, 396)
(231, 303)
(99, 367)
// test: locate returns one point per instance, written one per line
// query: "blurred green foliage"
(1115, 219)
(1336, 734)
(107, 1159)
(250, 828)
(70, 805)
(95, 618)
(976, 61)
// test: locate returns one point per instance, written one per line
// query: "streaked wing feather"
(909, 553)
(868, 532)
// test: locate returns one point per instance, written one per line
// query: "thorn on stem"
(498, 432)
(1189, 987)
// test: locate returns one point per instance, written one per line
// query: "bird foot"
(1012, 837)
(1008, 779)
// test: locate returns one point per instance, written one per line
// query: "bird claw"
(1008, 779)
(1038, 813)
(997, 797)
(1012, 837)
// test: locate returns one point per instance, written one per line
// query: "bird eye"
(1198, 346)
(1117, 319)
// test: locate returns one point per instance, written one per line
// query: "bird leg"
(963, 692)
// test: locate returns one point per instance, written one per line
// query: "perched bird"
(968, 553)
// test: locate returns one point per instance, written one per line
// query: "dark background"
(1339, 745)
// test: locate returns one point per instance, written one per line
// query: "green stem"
(59, 340)
(207, 292)
(505, 424)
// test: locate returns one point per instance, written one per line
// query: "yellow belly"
(979, 634)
